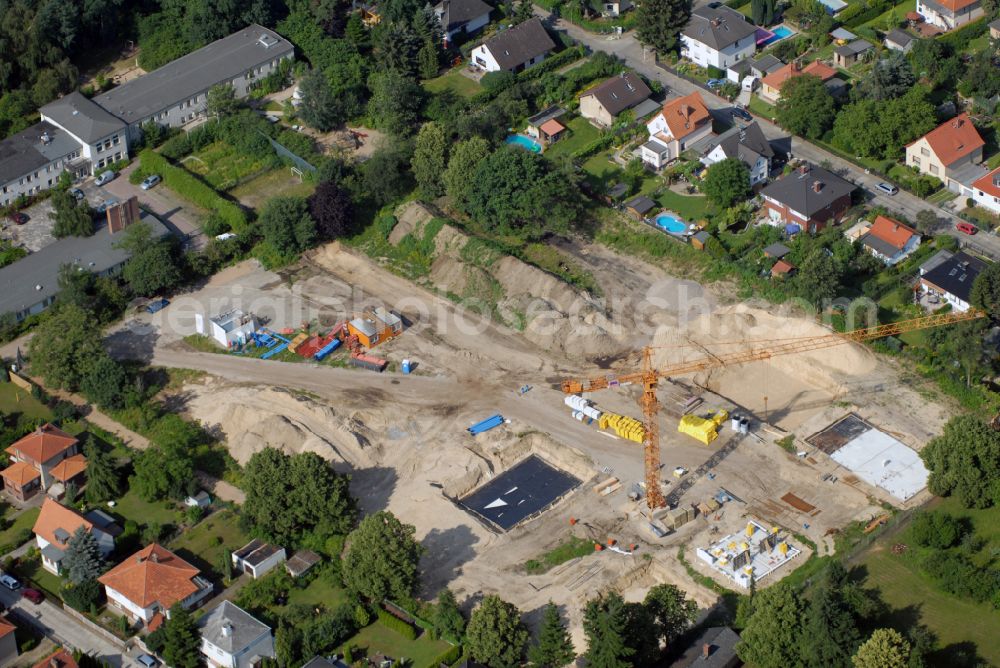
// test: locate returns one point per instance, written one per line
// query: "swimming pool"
(671, 223)
(526, 143)
(768, 37)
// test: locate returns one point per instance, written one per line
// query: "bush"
(937, 530)
(190, 187)
(396, 624)
(177, 147)
(449, 656)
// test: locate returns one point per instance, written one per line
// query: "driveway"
(642, 60)
(61, 628)
(179, 216)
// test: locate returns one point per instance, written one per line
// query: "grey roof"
(82, 117)
(53, 553)
(935, 260)
(520, 44)
(995, 24)
(642, 204)
(796, 190)
(721, 641)
(843, 33)
(181, 79)
(34, 278)
(546, 114)
(956, 274)
(456, 13)
(617, 190)
(646, 107)
(244, 551)
(767, 64)
(747, 143)
(103, 521)
(301, 562)
(718, 27)
(621, 92)
(855, 48)
(230, 628)
(323, 662)
(24, 152)
(777, 250)
(900, 37)
(262, 554)
(740, 66)
(968, 173)
(879, 245)
(702, 236)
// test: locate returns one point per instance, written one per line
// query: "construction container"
(744, 426)
(369, 362)
(576, 402)
(486, 425)
(326, 350)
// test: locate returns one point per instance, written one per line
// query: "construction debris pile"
(750, 556)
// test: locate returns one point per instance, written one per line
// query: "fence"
(285, 153)
(96, 628)
(21, 382)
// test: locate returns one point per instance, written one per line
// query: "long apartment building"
(83, 136)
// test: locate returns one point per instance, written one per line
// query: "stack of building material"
(626, 427)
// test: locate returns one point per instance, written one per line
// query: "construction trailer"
(375, 327)
(232, 328)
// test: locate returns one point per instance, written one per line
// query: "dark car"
(19, 218)
(33, 595)
(741, 114)
(76, 193)
(157, 305)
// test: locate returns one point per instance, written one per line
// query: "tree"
(428, 60)
(818, 278)
(83, 596)
(319, 108)
(385, 176)
(151, 267)
(429, 159)
(523, 11)
(395, 102)
(82, 559)
(938, 530)
(965, 461)
(103, 480)
(927, 222)
(554, 648)
(985, 294)
(163, 472)
(287, 640)
(495, 635)
(671, 611)
(459, 177)
(831, 633)
(332, 209)
(447, 618)
(881, 128)
(659, 22)
(604, 623)
(382, 558)
(181, 641)
(64, 348)
(104, 383)
(727, 182)
(806, 107)
(71, 218)
(890, 77)
(286, 225)
(886, 648)
(221, 101)
(762, 12)
(773, 633)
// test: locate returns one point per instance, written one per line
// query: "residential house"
(890, 240)
(715, 647)
(681, 123)
(461, 17)
(986, 191)
(233, 638)
(61, 659)
(899, 40)
(615, 8)
(602, 103)
(718, 36)
(515, 49)
(8, 643)
(256, 558)
(770, 86)
(55, 525)
(639, 206)
(852, 53)
(747, 144)
(30, 285)
(37, 458)
(809, 199)
(301, 563)
(950, 14)
(995, 29)
(145, 585)
(952, 279)
(375, 326)
(948, 151)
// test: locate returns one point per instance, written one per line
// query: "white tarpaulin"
(883, 461)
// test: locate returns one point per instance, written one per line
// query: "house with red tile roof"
(146, 585)
(8, 643)
(947, 151)
(61, 659)
(55, 525)
(890, 240)
(46, 458)
(950, 14)
(680, 123)
(986, 191)
(770, 86)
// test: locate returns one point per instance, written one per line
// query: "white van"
(749, 83)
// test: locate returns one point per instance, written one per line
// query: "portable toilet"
(750, 529)
(406, 366)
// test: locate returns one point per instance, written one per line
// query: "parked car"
(157, 305)
(105, 205)
(18, 218)
(150, 181)
(33, 595)
(742, 114)
(716, 83)
(271, 118)
(105, 177)
(9, 582)
(967, 228)
(147, 660)
(76, 193)
(886, 188)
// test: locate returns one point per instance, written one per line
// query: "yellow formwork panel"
(699, 428)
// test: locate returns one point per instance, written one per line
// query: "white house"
(681, 123)
(233, 638)
(950, 14)
(747, 144)
(718, 37)
(986, 191)
(55, 525)
(227, 329)
(515, 49)
(459, 17)
(890, 241)
(952, 279)
(146, 585)
(257, 558)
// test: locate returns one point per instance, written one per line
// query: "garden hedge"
(396, 624)
(448, 657)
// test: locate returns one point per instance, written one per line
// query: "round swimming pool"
(671, 223)
(526, 143)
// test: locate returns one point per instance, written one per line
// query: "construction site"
(659, 417)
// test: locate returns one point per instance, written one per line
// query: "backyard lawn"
(32, 570)
(601, 170)
(454, 81)
(204, 543)
(21, 523)
(221, 166)
(376, 638)
(131, 507)
(278, 181)
(323, 590)
(15, 400)
(581, 133)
